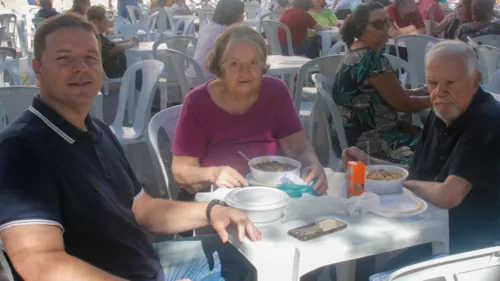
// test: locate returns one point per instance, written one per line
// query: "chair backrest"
(22, 37)
(271, 16)
(271, 28)
(151, 71)
(135, 14)
(326, 66)
(178, 42)
(37, 21)
(20, 72)
(490, 40)
(417, 46)
(166, 120)
(494, 85)
(5, 263)
(170, 17)
(337, 48)
(410, 75)
(8, 21)
(130, 30)
(4, 119)
(16, 100)
(205, 16)
(7, 52)
(189, 27)
(329, 108)
(489, 58)
(252, 9)
(119, 21)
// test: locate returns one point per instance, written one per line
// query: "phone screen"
(317, 229)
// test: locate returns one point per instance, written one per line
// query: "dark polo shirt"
(470, 149)
(52, 173)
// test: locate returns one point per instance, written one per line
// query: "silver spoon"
(244, 156)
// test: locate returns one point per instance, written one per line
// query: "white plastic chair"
(494, 85)
(189, 27)
(16, 100)
(166, 120)
(164, 15)
(489, 58)
(4, 120)
(416, 46)
(7, 52)
(490, 40)
(270, 28)
(275, 16)
(131, 10)
(130, 30)
(106, 81)
(9, 21)
(205, 16)
(22, 37)
(37, 21)
(141, 111)
(329, 108)
(252, 9)
(5, 264)
(20, 72)
(119, 21)
(180, 43)
(337, 48)
(427, 27)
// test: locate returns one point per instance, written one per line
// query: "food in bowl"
(275, 166)
(381, 174)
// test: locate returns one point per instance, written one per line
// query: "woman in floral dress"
(368, 93)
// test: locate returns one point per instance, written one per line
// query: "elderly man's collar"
(461, 122)
(59, 125)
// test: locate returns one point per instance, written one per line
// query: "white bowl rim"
(267, 158)
(242, 206)
(382, 166)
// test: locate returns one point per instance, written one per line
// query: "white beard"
(451, 116)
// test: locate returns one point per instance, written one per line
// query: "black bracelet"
(211, 204)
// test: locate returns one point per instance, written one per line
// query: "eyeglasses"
(379, 24)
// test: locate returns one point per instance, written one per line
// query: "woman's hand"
(228, 177)
(316, 172)
(354, 154)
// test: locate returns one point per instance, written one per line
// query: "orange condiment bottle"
(356, 175)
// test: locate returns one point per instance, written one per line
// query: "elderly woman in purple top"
(241, 110)
(226, 12)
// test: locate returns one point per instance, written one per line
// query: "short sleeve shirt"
(298, 21)
(215, 136)
(413, 18)
(52, 173)
(423, 6)
(468, 149)
(473, 30)
(113, 63)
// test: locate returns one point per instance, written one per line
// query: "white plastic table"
(143, 51)
(280, 257)
(286, 66)
(327, 37)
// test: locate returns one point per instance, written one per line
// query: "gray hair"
(455, 48)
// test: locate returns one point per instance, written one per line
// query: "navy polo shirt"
(56, 174)
(470, 149)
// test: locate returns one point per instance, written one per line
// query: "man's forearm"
(432, 191)
(168, 217)
(59, 266)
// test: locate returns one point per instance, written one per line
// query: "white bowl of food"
(269, 170)
(261, 204)
(385, 179)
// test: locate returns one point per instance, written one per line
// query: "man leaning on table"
(457, 161)
(71, 207)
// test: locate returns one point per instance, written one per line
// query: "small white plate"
(400, 206)
(253, 182)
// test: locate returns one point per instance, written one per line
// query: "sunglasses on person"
(379, 24)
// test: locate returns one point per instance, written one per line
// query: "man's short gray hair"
(457, 48)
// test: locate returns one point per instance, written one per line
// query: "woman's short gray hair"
(459, 49)
(234, 32)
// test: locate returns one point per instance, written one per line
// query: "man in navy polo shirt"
(71, 207)
(456, 165)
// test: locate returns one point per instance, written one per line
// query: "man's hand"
(354, 154)
(221, 217)
(317, 172)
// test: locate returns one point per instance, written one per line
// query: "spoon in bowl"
(244, 156)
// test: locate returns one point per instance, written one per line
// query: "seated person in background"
(72, 208)
(226, 12)
(368, 93)
(114, 61)
(298, 21)
(282, 6)
(241, 110)
(482, 24)
(79, 7)
(326, 18)
(405, 18)
(457, 160)
(161, 3)
(452, 22)
(122, 7)
(425, 12)
(181, 8)
(46, 10)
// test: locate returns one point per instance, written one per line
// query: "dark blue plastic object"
(296, 190)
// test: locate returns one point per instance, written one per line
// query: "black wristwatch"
(212, 204)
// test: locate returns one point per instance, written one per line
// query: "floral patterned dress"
(369, 122)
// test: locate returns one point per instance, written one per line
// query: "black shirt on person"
(470, 149)
(113, 63)
(46, 13)
(53, 173)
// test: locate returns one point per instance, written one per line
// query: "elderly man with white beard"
(456, 165)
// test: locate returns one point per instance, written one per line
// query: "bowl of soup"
(269, 170)
(385, 179)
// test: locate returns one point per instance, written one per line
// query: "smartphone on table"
(317, 229)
